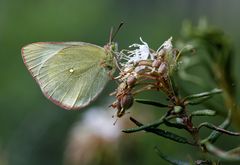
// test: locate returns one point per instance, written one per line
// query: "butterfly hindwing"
(70, 74)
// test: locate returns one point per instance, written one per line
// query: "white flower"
(142, 52)
(166, 46)
(96, 123)
(93, 133)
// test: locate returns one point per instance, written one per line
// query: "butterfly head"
(110, 61)
(112, 46)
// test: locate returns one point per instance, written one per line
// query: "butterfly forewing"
(70, 74)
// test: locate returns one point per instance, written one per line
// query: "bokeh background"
(34, 131)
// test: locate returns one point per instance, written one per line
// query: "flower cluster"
(143, 69)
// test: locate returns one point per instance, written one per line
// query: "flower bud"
(140, 69)
(131, 80)
(121, 87)
(156, 63)
(163, 68)
(118, 106)
(179, 120)
(126, 101)
(161, 53)
(177, 109)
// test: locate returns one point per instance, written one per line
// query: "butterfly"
(71, 74)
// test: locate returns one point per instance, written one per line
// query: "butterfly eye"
(114, 46)
(109, 67)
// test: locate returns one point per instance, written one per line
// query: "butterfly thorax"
(110, 61)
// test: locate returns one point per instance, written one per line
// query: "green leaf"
(177, 125)
(235, 151)
(211, 126)
(198, 100)
(143, 127)
(169, 159)
(169, 135)
(204, 112)
(149, 102)
(232, 155)
(202, 96)
(216, 134)
(163, 133)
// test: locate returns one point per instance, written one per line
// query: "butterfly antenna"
(110, 35)
(113, 34)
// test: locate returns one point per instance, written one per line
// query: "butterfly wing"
(71, 74)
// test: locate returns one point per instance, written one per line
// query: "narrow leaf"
(216, 134)
(211, 126)
(230, 155)
(235, 151)
(204, 112)
(169, 135)
(164, 133)
(149, 102)
(203, 95)
(175, 125)
(198, 100)
(143, 127)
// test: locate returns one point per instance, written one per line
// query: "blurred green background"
(34, 131)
